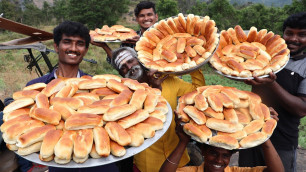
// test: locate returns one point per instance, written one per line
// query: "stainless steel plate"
(91, 162)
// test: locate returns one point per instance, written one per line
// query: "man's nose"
(73, 47)
(294, 38)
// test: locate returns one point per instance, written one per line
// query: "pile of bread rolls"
(225, 117)
(113, 33)
(82, 117)
(178, 43)
(252, 54)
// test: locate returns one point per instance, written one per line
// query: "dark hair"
(203, 146)
(70, 28)
(297, 20)
(144, 5)
(116, 52)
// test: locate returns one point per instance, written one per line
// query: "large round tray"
(91, 162)
(116, 41)
(190, 69)
(245, 78)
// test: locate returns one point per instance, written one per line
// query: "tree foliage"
(166, 8)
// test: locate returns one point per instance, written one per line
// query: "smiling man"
(286, 93)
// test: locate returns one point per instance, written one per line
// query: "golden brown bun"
(226, 101)
(182, 21)
(255, 111)
(266, 38)
(189, 97)
(234, 65)
(93, 153)
(233, 36)
(42, 101)
(61, 125)
(65, 91)
(29, 149)
(52, 87)
(230, 115)
(237, 135)
(253, 140)
(198, 132)
(12, 147)
(260, 35)
(181, 44)
(162, 106)
(200, 102)
(138, 98)
(17, 104)
(213, 114)
(265, 110)
(215, 102)
(231, 95)
(82, 121)
(25, 93)
(93, 109)
(91, 96)
(71, 102)
(64, 147)
(34, 135)
(102, 142)
(240, 34)
(16, 113)
(79, 160)
(92, 84)
(37, 86)
(168, 55)
(136, 138)
(47, 115)
(224, 141)
(123, 98)
(103, 102)
(159, 115)
(254, 126)
(117, 133)
(223, 125)
(19, 119)
(144, 129)
(116, 86)
(133, 84)
(118, 112)
(50, 158)
(252, 34)
(178, 25)
(150, 102)
(14, 131)
(102, 92)
(65, 111)
(135, 118)
(244, 117)
(190, 51)
(195, 114)
(82, 144)
(116, 149)
(155, 123)
(269, 126)
(181, 114)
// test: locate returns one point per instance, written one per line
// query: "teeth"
(72, 55)
(147, 22)
(217, 166)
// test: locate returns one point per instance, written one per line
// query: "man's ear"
(55, 47)
(156, 17)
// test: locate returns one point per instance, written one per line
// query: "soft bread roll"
(195, 114)
(133, 84)
(46, 159)
(200, 102)
(269, 126)
(155, 123)
(213, 114)
(73, 103)
(61, 125)
(252, 34)
(136, 138)
(33, 136)
(93, 153)
(16, 113)
(74, 81)
(181, 44)
(91, 96)
(118, 112)
(253, 140)
(189, 97)
(30, 149)
(266, 111)
(226, 101)
(102, 142)
(231, 95)
(159, 115)
(92, 84)
(17, 104)
(42, 101)
(190, 51)
(37, 86)
(82, 144)
(233, 36)
(123, 98)
(65, 111)
(64, 147)
(237, 135)
(199, 133)
(102, 102)
(54, 86)
(102, 92)
(181, 114)
(94, 109)
(79, 160)
(65, 91)
(47, 115)
(116, 86)
(117, 133)
(138, 98)
(230, 115)
(215, 102)
(223, 125)
(253, 126)
(135, 118)
(145, 129)
(169, 56)
(116, 149)
(83, 121)
(49, 142)
(240, 34)
(25, 93)
(255, 111)
(13, 121)
(162, 106)
(243, 115)
(224, 141)
(14, 131)
(61, 161)
(12, 147)
(150, 102)
(107, 77)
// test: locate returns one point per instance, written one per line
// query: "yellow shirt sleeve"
(227, 169)
(197, 79)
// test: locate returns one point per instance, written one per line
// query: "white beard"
(135, 73)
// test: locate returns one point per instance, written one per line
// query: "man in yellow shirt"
(217, 159)
(125, 61)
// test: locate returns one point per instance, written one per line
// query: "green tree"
(296, 7)
(166, 8)
(31, 13)
(60, 10)
(11, 10)
(47, 13)
(200, 8)
(96, 13)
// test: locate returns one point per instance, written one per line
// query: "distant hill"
(274, 3)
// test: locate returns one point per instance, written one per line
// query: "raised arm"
(272, 159)
(294, 104)
(103, 45)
